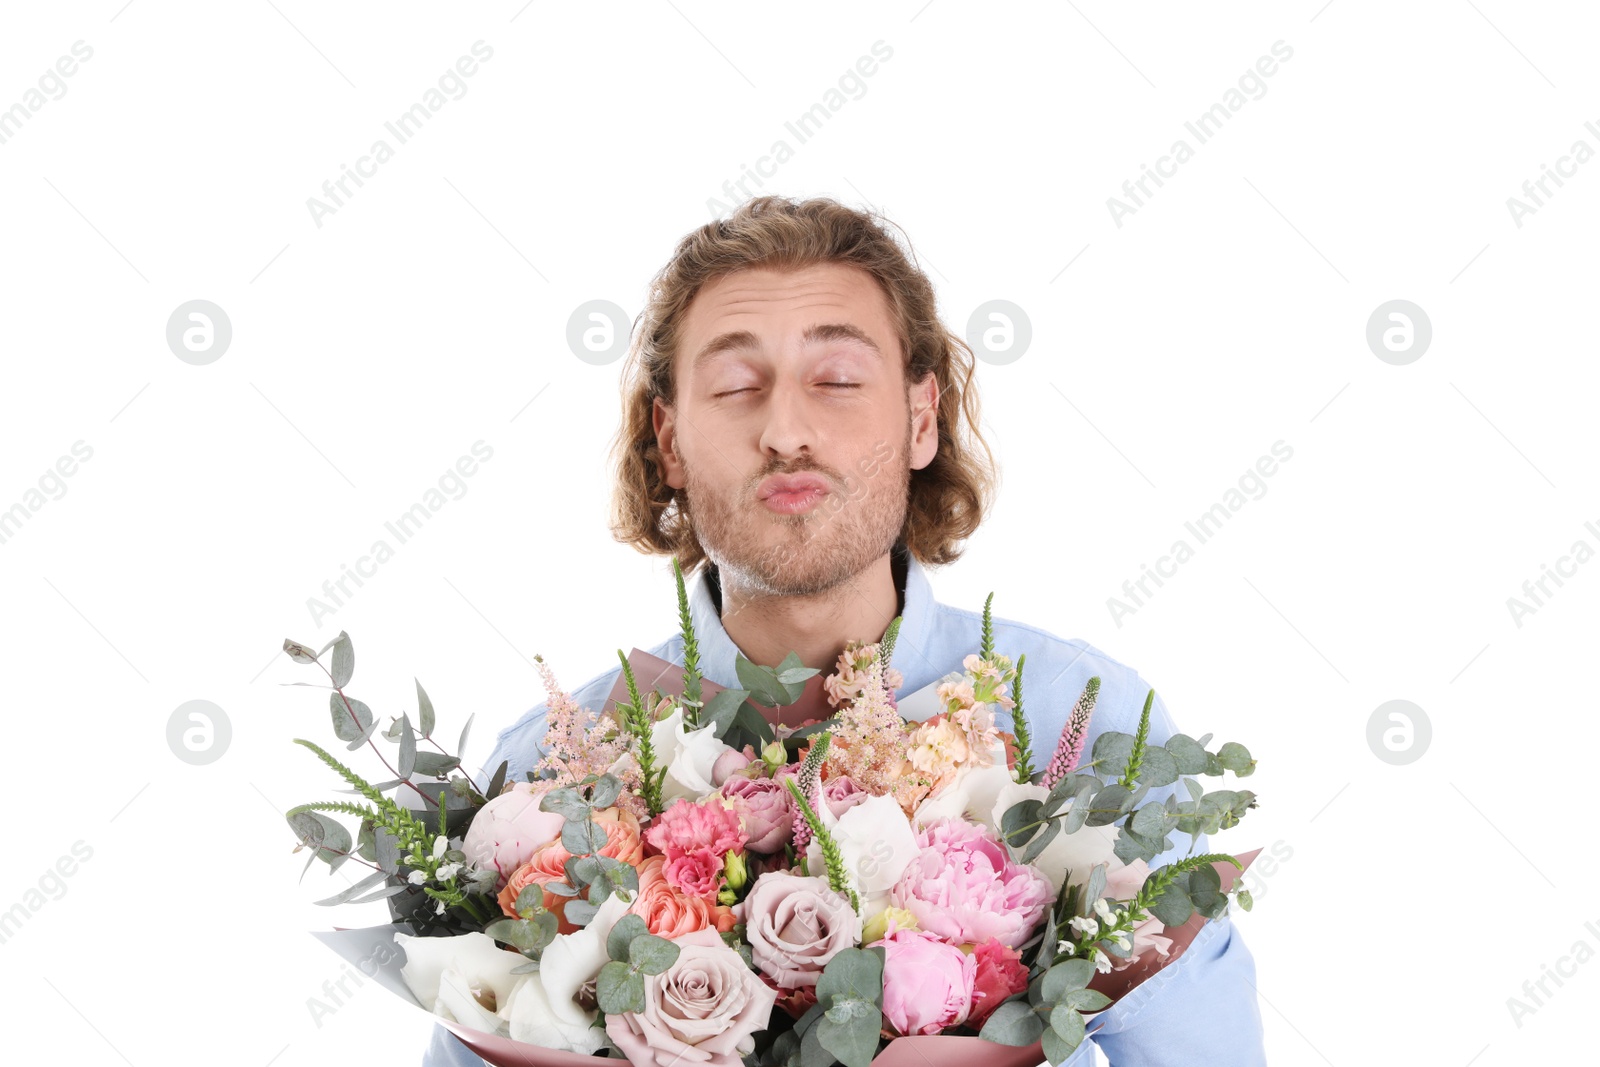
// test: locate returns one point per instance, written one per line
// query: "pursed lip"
(791, 483)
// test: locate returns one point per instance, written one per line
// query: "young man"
(802, 433)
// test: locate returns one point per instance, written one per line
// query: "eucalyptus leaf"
(1067, 1023)
(651, 954)
(606, 791)
(1159, 768)
(854, 972)
(619, 990)
(406, 762)
(350, 720)
(498, 782)
(1013, 1023)
(344, 660)
(579, 912)
(1087, 1000)
(566, 803)
(1015, 828)
(1112, 750)
(424, 711)
(849, 1030)
(1037, 846)
(720, 710)
(1065, 977)
(1187, 753)
(622, 934)
(1173, 906)
(298, 652)
(461, 745)
(436, 764)
(1106, 807)
(1236, 758)
(1056, 1049)
(366, 735)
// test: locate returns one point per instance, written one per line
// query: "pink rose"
(728, 764)
(963, 887)
(701, 1010)
(508, 830)
(999, 974)
(795, 926)
(768, 811)
(841, 794)
(927, 983)
(696, 873)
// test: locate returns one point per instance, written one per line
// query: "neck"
(816, 628)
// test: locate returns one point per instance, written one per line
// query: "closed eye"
(746, 389)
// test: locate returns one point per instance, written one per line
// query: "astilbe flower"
(869, 738)
(578, 743)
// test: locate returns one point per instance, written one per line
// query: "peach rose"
(548, 864)
(669, 913)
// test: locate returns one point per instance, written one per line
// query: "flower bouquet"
(683, 876)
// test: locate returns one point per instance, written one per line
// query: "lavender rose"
(768, 811)
(795, 926)
(701, 1010)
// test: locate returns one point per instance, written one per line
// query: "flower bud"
(736, 871)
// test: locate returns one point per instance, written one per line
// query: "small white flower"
(439, 910)
(440, 844)
(417, 877)
(1067, 948)
(1085, 925)
(1123, 942)
(1103, 910)
(1102, 962)
(447, 872)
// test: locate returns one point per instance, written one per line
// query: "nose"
(791, 427)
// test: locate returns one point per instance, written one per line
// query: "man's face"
(784, 373)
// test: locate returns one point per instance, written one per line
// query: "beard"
(760, 553)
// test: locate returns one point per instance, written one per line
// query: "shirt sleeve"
(1201, 1010)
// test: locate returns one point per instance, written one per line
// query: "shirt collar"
(717, 650)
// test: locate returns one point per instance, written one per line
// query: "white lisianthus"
(1068, 858)
(465, 978)
(877, 843)
(688, 755)
(545, 1011)
(970, 796)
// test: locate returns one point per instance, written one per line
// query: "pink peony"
(1000, 974)
(730, 763)
(768, 811)
(688, 826)
(508, 830)
(927, 983)
(964, 888)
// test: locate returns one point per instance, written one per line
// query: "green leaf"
(790, 675)
(720, 710)
(652, 954)
(583, 837)
(1205, 890)
(436, 764)
(762, 682)
(346, 728)
(1149, 821)
(461, 745)
(1173, 906)
(1236, 758)
(1087, 1000)
(344, 661)
(1246, 901)
(1013, 1023)
(605, 792)
(1065, 977)
(498, 781)
(1055, 1047)
(371, 729)
(618, 990)
(1067, 1023)
(849, 1030)
(1037, 846)
(1106, 807)
(298, 652)
(854, 972)
(407, 760)
(1112, 751)
(579, 912)
(525, 935)
(1014, 824)
(566, 803)
(424, 711)
(1187, 753)
(1159, 768)
(622, 934)
(1094, 888)
(529, 901)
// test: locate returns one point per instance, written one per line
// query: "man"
(801, 432)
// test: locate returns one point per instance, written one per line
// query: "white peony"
(877, 843)
(689, 756)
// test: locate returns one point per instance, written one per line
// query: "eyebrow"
(823, 333)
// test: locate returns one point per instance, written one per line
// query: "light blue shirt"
(1200, 1010)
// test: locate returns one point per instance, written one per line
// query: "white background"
(429, 312)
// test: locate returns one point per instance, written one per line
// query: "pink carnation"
(927, 983)
(687, 826)
(964, 888)
(768, 811)
(1000, 974)
(695, 873)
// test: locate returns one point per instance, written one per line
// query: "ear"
(666, 428)
(923, 399)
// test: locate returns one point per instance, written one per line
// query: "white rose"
(1074, 854)
(545, 1011)
(877, 843)
(688, 755)
(465, 978)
